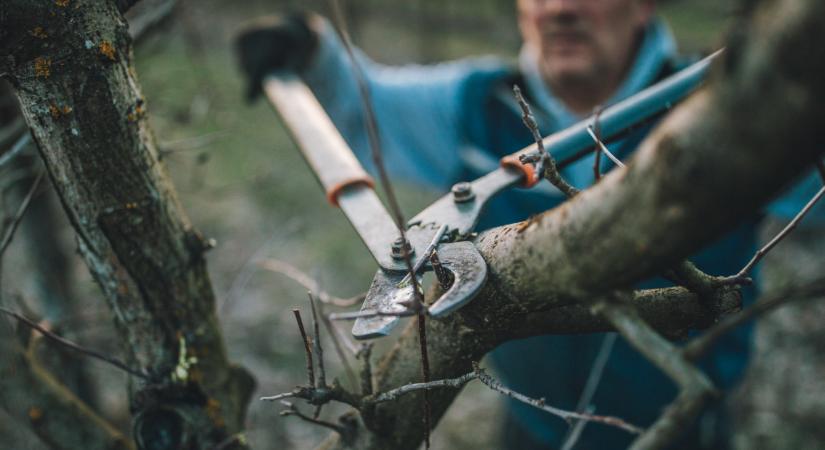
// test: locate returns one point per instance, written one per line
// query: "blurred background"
(243, 183)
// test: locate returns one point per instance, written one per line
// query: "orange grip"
(529, 171)
(334, 191)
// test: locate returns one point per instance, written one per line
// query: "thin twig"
(431, 247)
(281, 396)
(370, 313)
(336, 344)
(543, 160)
(377, 157)
(293, 411)
(69, 344)
(243, 276)
(778, 238)
(190, 143)
(319, 396)
(21, 211)
(700, 345)
(530, 122)
(307, 346)
(16, 149)
(593, 380)
(576, 430)
(600, 146)
(495, 385)
(342, 337)
(394, 394)
(374, 141)
(366, 368)
(293, 273)
(319, 350)
(695, 388)
(597, 160)
(425, 372)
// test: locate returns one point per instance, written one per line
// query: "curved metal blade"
(469, 271)
(383, 297)
(388, 295)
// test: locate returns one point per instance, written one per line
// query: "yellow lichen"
(56, 111)
(42, 67)
(136, 112)
(213, 410)
(180, 373)
(35, 413)
(107, 49)
(62, 3)
(39, 32)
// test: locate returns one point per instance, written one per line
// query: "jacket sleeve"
(417, 109)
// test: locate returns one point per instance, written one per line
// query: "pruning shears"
(449, 222)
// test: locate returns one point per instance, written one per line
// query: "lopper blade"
(388, 295)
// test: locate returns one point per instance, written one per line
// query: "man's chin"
(564, 71)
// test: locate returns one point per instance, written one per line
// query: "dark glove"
(274, 43)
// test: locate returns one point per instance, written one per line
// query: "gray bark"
(70, 64)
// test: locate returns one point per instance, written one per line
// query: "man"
(453, 121)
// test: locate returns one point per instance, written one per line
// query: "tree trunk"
(70, 64)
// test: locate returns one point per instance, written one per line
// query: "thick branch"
(462, 338)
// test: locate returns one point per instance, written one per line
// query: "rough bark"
(70, 64)
(708, 166)
(780, 404)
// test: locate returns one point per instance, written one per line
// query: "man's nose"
(554, 9)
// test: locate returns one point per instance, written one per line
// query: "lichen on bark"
(81, 99)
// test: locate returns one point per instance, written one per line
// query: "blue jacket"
(450, 122)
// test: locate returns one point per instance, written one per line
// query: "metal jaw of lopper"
(391, 294)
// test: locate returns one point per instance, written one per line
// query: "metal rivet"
(463, 192)
(398, 248)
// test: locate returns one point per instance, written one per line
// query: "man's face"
(579, 41)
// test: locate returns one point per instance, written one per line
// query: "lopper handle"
(345, 182)
(324, 149)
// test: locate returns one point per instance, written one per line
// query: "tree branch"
(37, 398)
(623, 229)
(700, 345)
(540, 404)
(71, 345)
(695, 389)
